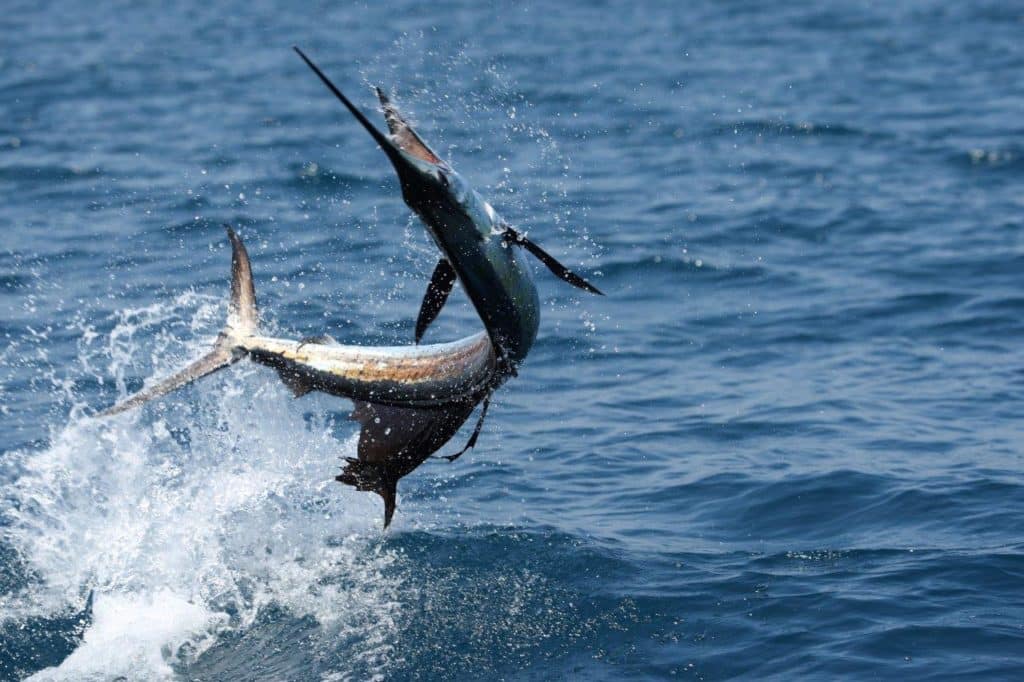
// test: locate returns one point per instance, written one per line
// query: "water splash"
(188, 518)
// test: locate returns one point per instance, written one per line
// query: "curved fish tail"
(243, 315)
(243, 320)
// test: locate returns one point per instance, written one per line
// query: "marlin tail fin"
(243, 320)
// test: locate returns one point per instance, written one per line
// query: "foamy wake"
(186, 518)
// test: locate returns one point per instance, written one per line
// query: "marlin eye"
(443, 178)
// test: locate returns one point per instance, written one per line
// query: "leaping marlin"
(409, 400)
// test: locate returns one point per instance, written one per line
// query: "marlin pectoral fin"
(403, 134)
(553, 265)
(441, 283)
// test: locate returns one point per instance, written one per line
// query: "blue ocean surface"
(787, 444)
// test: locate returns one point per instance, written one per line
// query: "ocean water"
(787, 444)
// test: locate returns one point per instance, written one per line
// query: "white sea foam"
(187, 517)
(130, 634)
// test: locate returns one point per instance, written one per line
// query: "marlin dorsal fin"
(441, 283)
(395, 440)
(403, 134)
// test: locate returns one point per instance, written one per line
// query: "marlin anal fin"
(559, 270)
(441, 283)
(403, 134)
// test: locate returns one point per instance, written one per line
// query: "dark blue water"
(788, 443)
